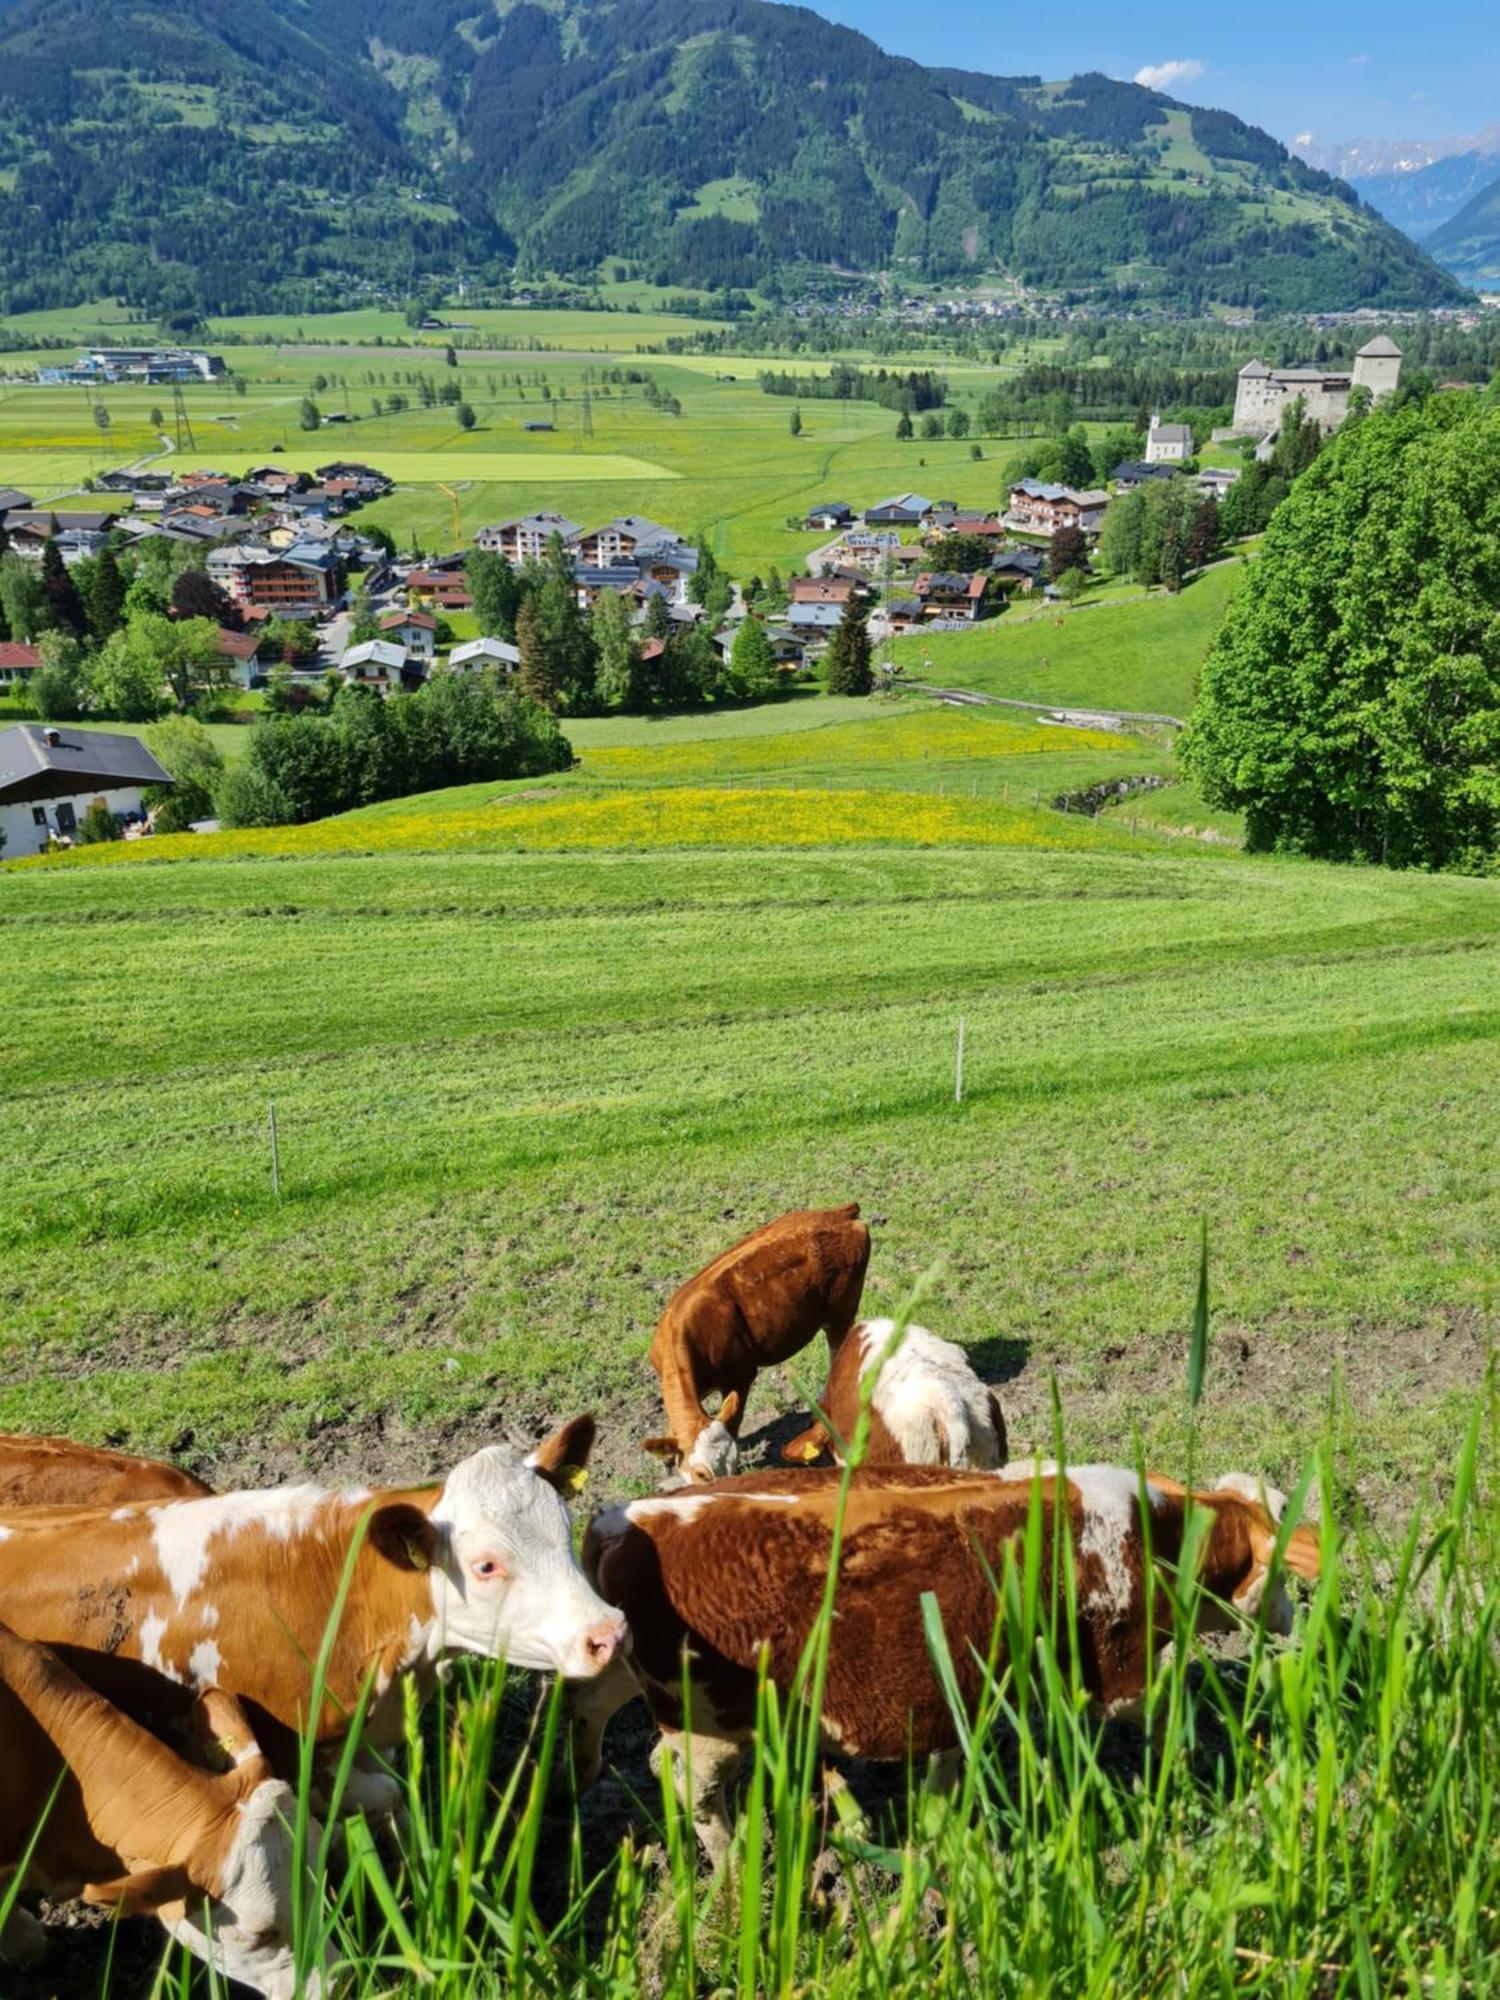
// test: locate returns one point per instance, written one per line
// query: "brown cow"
(137, 1829)
(759, 1303)
(927, 1407)
(710, 1578)
(55, 1472)
(238, 1589)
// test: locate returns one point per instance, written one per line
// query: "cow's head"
(498, 1548)
(715, 1452)
(1249, 1586)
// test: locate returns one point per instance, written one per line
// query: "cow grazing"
(712, 1576)
(239, 1589)
(55, 1472)
(927, 1406)
(137, 1829)
(757, 1304)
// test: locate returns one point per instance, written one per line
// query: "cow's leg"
(591, 1704)
(703, 1768)
(23, 1942)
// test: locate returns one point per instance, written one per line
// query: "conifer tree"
(64, 604)
(106, 602)
(534, 674)
(848, 669)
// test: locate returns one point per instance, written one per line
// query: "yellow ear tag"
(573, 1477)
(416, 1555)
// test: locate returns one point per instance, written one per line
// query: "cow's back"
(727, 1568)
(776, 1287)
(55, 1472)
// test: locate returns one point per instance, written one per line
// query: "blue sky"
(1377, 69)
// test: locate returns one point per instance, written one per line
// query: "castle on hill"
(1263, 395)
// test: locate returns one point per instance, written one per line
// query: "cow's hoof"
(23, 1942)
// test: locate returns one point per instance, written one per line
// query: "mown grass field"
(1142, 656)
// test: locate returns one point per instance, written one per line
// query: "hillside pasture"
(1140, 656)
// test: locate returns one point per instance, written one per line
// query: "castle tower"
(1254, 400)
(1377, 366)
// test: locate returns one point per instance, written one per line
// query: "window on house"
(38, 815)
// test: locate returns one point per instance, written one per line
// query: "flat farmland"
(727, 466)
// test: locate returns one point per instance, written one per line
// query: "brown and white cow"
(758, 1304)
(708, 1578)
(927, 1406)
(136, 1828)
(55, 1472)
(238, 1589)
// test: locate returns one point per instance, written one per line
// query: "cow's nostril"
(601, 1645)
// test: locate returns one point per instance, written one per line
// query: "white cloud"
(1304, 139)
(1168, 75)
(1357, 62)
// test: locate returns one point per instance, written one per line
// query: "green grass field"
(728, 466)
(1141, 656)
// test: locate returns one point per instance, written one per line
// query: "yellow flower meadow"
(935, 735)
(680, 816)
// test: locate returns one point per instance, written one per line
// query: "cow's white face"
(507, 1583)
(246, 1932)
(715, 1454)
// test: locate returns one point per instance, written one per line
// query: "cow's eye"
(488, 1568)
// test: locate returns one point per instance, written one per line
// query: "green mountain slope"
(1469, 244)
(227, 157)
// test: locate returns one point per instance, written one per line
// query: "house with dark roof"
(1133, 472)
(829, 516)
(951, 597)
(905, 510)
(49, 778)
(11, 497)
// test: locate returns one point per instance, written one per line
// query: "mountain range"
(273, 154)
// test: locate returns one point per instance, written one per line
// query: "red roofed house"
(447, 589)
(18, 663)
(242, 650)
(415, 630)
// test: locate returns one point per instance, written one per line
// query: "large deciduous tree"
(1350, 707)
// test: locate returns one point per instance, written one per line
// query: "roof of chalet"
(392, 621)
(914, 504)
(821, 617)
(37, 762)
(12, 496)
(19, 658)
(375, 653)
(950, 583)
(485, 649)
(237, 645)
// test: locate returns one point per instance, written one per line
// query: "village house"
(526, 538)
(415, 630)
(12, 498)
(1215, 481)
(1133, 472)
(984, 527)
(445, 588)
(477, 656)
(242, 651)
(1021, 570)
(821, 590)
(49, 778)
(1039, 509)
(830, 516)
(78, 531)
(953, 599)
(813, 621)
(382, 667)
(906, 510)
(1168, 444)
(18, 662)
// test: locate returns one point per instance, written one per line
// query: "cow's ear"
(562, 1459)
(729, 1409)
(142, 1894)
(666, 1448)
(1304, 1554)
(405, 1536)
